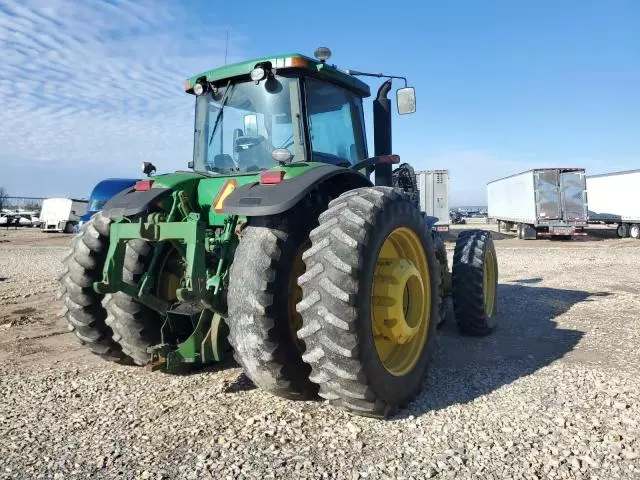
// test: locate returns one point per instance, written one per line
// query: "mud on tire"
(135, 326)
(83, 309)
(261, 322)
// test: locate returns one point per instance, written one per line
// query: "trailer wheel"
(623, 230)
(475, 280)
(634, 231)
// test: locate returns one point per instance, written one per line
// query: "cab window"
(335, 123)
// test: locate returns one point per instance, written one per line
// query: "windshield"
(239, 126)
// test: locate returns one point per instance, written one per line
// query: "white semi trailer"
(614, 198)
(61, 214)
(434, 196)
(541, 202)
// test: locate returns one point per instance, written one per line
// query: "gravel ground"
(553, 393)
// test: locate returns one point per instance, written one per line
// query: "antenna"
(226, 47)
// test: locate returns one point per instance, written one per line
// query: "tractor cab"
(284, 109)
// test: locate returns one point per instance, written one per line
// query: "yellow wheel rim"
(401, 301)
(171, 274)
(295, 295)
(489, 284)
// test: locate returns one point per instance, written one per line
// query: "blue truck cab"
(102, 192)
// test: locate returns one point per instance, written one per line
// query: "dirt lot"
(553, 393)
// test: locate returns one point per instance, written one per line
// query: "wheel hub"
(398, 301)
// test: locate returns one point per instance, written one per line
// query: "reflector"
(271, 177)
(143, 185)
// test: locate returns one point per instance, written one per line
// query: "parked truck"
(540, 202)
(434, 196)
(61, 214)
(614, 198)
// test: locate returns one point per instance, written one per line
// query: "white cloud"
(95, 87)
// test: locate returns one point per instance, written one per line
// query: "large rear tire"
(370, 301)
(135, 326)
(475, 280)
(83, 310)
(262, 298)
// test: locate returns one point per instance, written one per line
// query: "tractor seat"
(223, 162)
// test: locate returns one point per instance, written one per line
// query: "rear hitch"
(206, 344)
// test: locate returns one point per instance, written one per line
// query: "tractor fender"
(256, 200)
(130, 202)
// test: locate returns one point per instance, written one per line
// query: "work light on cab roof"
(322, 53)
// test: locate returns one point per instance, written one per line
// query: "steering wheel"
(245, 143)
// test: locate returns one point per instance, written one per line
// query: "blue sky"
(90, 89)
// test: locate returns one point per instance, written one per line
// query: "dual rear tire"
(369, 306)
(116, 326)
(626, 230)
(344, 304)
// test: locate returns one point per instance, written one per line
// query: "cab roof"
(284, 61)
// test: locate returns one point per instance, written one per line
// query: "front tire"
(475, 280)
(443, 269)
(634, 231)
(370, 243)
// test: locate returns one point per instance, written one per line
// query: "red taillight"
(271, 177)
(143, 185)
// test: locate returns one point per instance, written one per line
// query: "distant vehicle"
(456, 218)
(102, 192)
(433, 186)
(61, 214)
(24, 220)
(614, 198)
(18, 219)
(540, 202)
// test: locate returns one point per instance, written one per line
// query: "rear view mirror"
(406, 100)
(251, 125)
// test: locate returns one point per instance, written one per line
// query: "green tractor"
(277, 247)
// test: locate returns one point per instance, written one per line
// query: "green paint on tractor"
(269, 245)
(282, 61)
